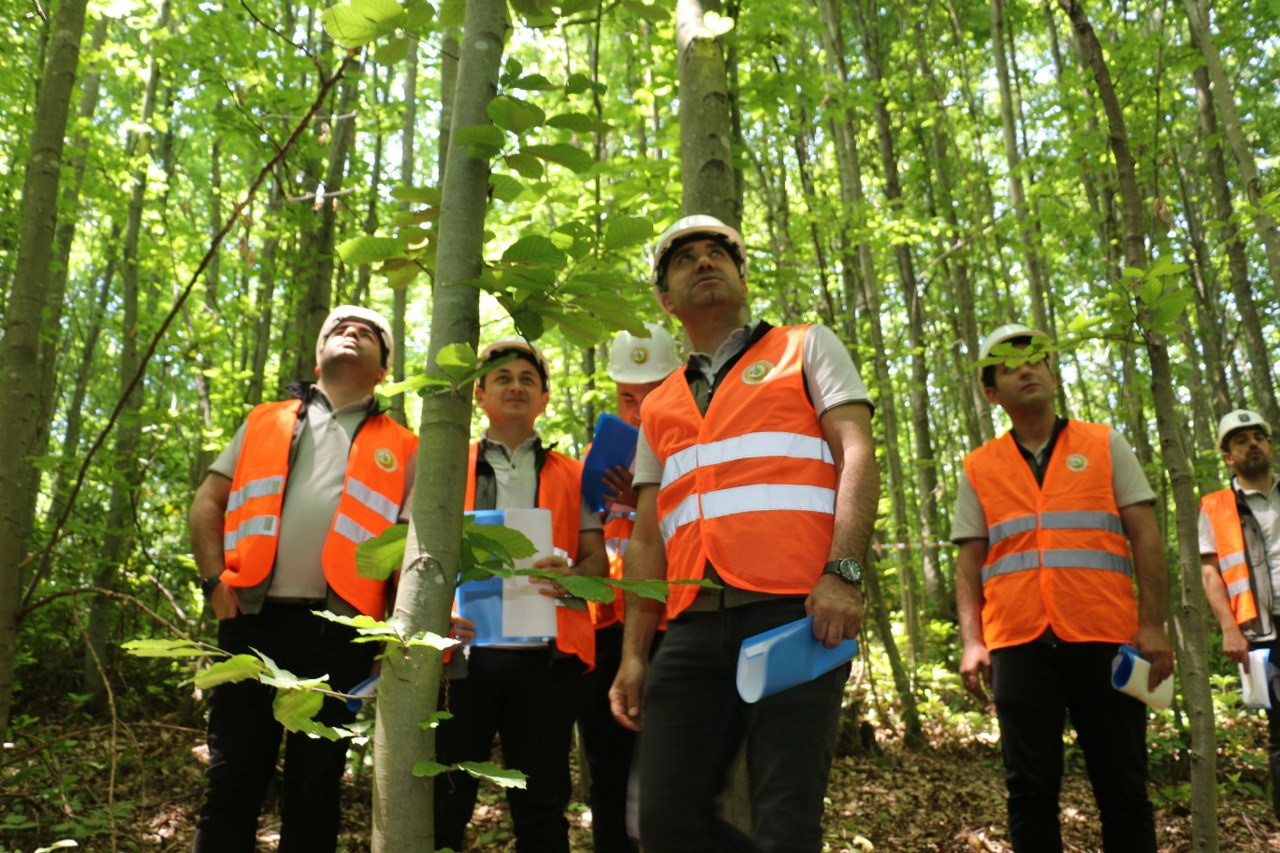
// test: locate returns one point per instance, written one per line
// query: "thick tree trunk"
(403, 816)
(1190, 616)
(21, 372)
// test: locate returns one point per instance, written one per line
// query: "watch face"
(850, 569)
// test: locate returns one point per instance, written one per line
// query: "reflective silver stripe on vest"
(1069, 520)
(753, 445)
(376, 501)
(615, 547)
(349, 528)
(1058, 558)
(1238, 588)
(764, 497)
(254, 489)
(1230, 561)
(259, 525)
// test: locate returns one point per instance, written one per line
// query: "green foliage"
(379, 557)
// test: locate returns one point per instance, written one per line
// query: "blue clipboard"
(785, 657)
(614, 443)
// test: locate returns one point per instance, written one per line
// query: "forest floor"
(55, 784)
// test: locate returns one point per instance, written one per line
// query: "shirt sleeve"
(1128, 480)
(830, 375)
(225, 464)
(968, 520)
(1208, 541)
(648, 468)
(590, 520)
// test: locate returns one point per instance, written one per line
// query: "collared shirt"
(1265, 507)
(515, 477)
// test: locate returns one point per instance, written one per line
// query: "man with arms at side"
(755, 469)
(1240, 559)
(527, 694)
(1045, 519)
(274, 528)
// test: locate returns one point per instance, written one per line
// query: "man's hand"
(461, 629)
(1235, 646)
(626, 696)
(975, 671)
(618, 481)
(836, 608)
(224, 602)
(554, 589)
(1153, 644)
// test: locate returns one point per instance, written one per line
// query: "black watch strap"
(209, 584)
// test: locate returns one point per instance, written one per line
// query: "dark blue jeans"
(695, 722)
(528, 697)
(244, 737)
(1036, 685)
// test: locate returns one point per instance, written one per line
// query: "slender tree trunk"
(21, 372)
(1190, 616)
(706, 131)
(408, 151)
(403, 816)
(264, 298)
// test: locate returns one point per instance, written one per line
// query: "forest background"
(187, 187)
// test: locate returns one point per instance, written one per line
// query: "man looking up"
(1240, 559)
(1045, 519)
(274, 528)
(527, 694)
(755, 468)
(637, 365)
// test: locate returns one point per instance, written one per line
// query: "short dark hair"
(520, 353)
(724, 242)
(989, 372)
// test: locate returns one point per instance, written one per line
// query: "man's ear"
(990, 394)
(663, 298)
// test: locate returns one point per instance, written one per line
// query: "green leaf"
(624, 232)
(296, 709)
(497, 540)
(578, 122)
(361, 21)
(534, 83)
(368, 249)
(565, 155)
(498, 775)
(423, 195)
(167, 649)
(453, 13)
(412, 384)
(457, 361)
(526, 165)
(1133, 272)
(515, 115)
(655, 590)
(379, 557)
(505, 187)
(483, 140)
(428, 768)
(236, 668)
(417, 16)
(578, 327)
(658, 14)
(534, 249)
(577, 83)
(392, 51)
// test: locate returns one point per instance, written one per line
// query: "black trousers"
(1273, 720)
(528, 697)
(1036, 685)
(244, 737)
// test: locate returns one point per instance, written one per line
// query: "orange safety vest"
(559, 490)
(1220, 507)
(370, 501)
(617, 533)
(750, 487)
(1057, 553)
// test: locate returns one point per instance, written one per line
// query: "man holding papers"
(755, 469)
(1045, 518)
(528, 692)
(1240, 562)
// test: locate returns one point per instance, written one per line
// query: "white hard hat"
(636, 360)
(502, 346)
(369, 317)
(1239, 419)
(1007, 332)
(690, 226)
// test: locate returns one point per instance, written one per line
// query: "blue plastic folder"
(481, 601)
(785, 657)
(614, 443)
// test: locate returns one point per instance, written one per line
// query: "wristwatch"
(848, 570)
(209, 585)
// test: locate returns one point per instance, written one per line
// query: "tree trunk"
(1190, 616)
(706, 132)
(408, 138)
(21, 372)
(403, 815)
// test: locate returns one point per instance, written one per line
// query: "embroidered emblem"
(385, 459)
(758, 372)
(639, 355)
(1076, 462)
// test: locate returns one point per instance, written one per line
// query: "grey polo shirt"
(1266, 510)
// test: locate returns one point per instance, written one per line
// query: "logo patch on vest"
(1077, 462)
(639, 355)
(385, 459)
(758, 372)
